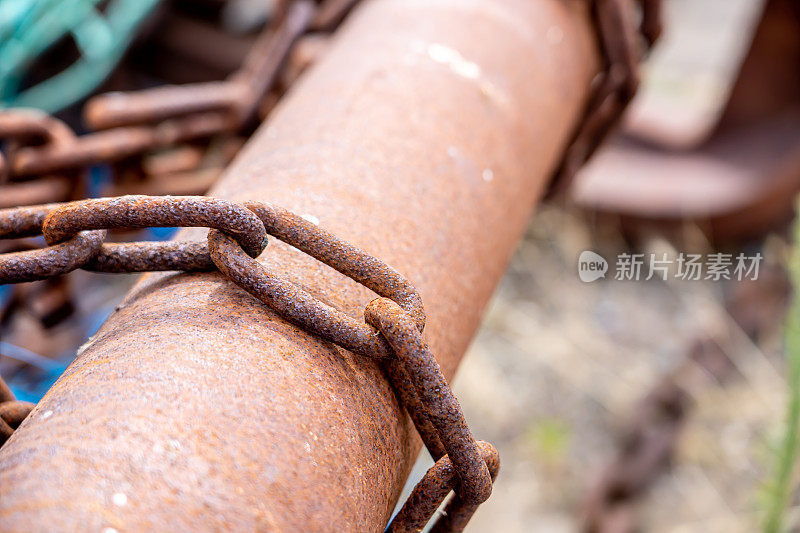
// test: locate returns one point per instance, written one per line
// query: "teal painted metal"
(29, 27)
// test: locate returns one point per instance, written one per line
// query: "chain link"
(12, 412)
(431, 491)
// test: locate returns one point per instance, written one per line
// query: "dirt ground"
(559, 363)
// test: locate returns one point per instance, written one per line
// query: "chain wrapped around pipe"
(75, 233)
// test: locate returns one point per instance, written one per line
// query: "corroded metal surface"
(195, 406)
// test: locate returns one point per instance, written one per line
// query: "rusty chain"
(130, 124)
(649, 439)
(648, 443)
(12, 412)
(75, 234)
(622, 43)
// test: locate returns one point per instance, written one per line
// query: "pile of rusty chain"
(75, 233)
(128, 125)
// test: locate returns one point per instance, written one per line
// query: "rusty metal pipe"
(425, 136)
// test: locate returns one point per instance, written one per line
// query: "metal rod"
(425, 136)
